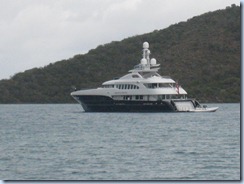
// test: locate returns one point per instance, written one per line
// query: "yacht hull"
(106, 104)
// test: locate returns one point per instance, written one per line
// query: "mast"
(146, 63)
(146, 54)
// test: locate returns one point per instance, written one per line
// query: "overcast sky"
(34, 33)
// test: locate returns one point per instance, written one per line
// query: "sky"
(34, 33)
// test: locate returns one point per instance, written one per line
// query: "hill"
(203, 54)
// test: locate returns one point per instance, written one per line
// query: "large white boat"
(141, 90)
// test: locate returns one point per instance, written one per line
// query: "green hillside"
(203, 54)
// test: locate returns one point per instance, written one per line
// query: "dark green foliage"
(203, 54)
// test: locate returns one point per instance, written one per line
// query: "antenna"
(146, 53)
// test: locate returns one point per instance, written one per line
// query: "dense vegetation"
(203, 54)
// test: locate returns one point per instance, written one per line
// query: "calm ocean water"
(61, 142)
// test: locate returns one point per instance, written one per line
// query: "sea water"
(62, 142)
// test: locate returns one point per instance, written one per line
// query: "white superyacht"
(142, 90)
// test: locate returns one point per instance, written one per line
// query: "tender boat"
(141, 90)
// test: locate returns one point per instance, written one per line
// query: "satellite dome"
(153, 61)
(145, 45)
(143, 61)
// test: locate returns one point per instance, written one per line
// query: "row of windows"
(149, 97)
(127, 86)
(158, 85)
(137, 97)
(147, 85)
(122, 86)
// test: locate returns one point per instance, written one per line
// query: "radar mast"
(146, 63)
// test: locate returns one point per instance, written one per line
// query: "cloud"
(35, 33)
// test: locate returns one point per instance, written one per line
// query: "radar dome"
(145, 45)
(153, 61)
(143, 61)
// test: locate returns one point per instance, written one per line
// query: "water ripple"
(60, 142)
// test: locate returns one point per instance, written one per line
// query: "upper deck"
(145, 72)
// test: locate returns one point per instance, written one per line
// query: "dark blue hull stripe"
(106, 104)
